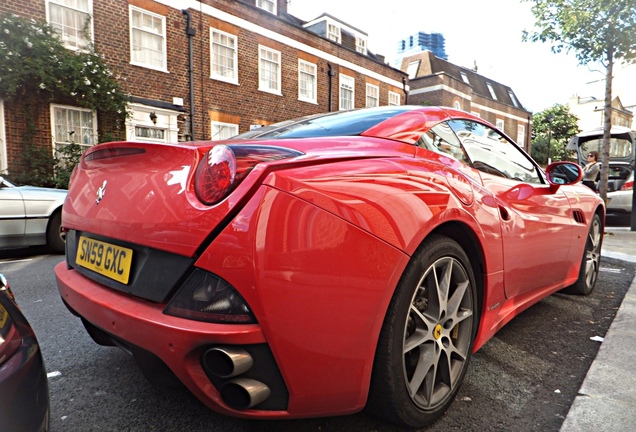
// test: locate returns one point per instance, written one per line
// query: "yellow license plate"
(4, 315)
(104, 258)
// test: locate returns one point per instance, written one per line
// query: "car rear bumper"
(141, 328)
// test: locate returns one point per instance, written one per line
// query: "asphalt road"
(524, 379)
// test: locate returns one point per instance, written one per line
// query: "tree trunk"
(607, 124)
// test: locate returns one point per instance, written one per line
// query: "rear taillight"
(628, 185)
(225, 166)
(10, 337)
(206, 297)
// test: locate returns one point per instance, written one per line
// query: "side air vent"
(578, 216)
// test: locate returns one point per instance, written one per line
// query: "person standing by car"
(591, 170)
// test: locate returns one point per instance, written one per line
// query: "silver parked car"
(619, 203)
(30, 216)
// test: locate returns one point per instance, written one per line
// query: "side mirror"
(563, 173)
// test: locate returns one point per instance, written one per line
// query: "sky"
(485, 32)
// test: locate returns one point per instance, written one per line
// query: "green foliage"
(597, 31)
(42, 168)
(558, 125)
(35, 66)
(33, 60)
(590, 28)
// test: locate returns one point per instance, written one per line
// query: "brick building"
(434, 81)
(201, 70)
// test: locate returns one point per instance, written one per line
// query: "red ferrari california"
(319, 266)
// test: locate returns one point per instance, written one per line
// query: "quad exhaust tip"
(229, 362)
(244, 393)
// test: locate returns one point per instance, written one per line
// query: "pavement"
(607, 398)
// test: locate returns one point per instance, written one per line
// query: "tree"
(597, 32)
(557, 125)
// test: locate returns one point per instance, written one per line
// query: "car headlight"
(206, 297)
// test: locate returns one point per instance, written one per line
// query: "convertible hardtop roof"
(338, 123)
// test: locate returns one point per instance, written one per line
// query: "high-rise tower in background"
(421, 41)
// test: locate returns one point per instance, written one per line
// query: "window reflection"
(493, 153)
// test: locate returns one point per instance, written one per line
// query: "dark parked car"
(30, 216)
(24, 390)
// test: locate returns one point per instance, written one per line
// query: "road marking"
(16, 261)
(611, 270)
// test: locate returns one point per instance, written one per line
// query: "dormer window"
(361, 45)
(513, 98)
(333, 32)
(411, 70)
(268, 5)
(465, 77)
(492, 91)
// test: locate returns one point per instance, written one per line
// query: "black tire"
(434, 311)
(55, 238)
(591, 261)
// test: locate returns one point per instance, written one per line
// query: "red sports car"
(320, 266)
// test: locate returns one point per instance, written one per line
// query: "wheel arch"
(467, 239)
(53, 213)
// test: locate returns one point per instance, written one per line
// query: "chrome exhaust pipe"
(227, 362)
(244, 393)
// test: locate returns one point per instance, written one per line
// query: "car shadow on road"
(24, 252)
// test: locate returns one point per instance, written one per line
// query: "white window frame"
(305, 70)
(491, 89)
(268, 5)
(373, 95)
(347, 88)
(521, 135)
(361, 45)
(92, 131)
(457, 105)
(500, 123)
(394, 99)
(265, 83)
(75, 41)
(333, 32)
(3, 142)
(233, 78)
(218, 127)
(464, 77)
(133, 30)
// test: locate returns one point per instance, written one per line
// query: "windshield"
(342, 123)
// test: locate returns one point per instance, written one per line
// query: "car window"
(619, 172)
(491, 152)
(618, 148)
(442, 139)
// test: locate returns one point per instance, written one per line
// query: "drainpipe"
(191, 32)
(406, 92)
(331, 73)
